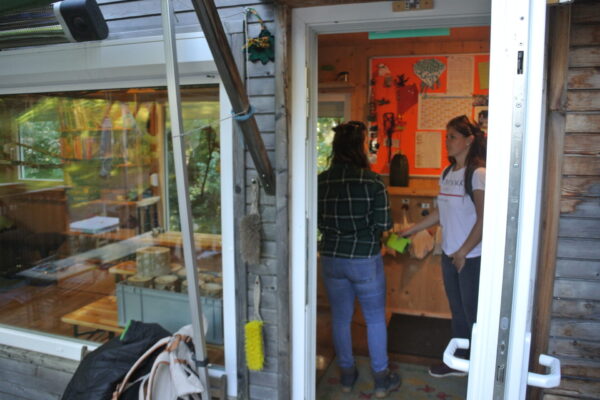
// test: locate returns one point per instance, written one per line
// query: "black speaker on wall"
(53, 22)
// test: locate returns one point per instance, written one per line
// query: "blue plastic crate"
(169, 309)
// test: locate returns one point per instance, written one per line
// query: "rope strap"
(243, 115)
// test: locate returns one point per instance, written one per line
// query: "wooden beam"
(560, 23)
(219, 47)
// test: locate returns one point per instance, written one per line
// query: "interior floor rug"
(417, 384)
(418, 336)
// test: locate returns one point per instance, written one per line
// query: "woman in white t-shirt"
(460, 213)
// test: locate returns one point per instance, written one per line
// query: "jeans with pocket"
(462, 289)
(363, 278)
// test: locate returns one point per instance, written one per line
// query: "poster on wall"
(428, 149)
(411, 99)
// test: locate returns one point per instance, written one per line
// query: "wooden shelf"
(412, 192)
(336, 86)
(204, 241)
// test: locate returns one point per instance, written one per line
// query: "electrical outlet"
(425, 205)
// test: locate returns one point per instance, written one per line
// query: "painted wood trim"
(558, 40)
(283, 23)
(239, 210)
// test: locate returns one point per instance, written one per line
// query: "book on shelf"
(95, 225)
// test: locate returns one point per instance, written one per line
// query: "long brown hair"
(349, 144)
(477, 150)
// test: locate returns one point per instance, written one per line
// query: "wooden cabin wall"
(567, 315)
(351, 53)
(138, 18)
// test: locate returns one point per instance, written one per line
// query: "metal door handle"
(545, 380)
(452, 361)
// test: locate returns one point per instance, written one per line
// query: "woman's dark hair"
(349, 144)
(477, 150)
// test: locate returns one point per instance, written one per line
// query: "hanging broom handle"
(257, 298)
(254, 197)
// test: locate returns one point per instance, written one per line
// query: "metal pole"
(185, 214)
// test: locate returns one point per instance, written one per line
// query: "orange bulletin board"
(412, 98)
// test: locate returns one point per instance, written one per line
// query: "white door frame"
(307, 23)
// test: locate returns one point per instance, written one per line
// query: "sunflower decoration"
(262, 47)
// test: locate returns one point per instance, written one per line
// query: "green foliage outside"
(40, 141)
(324, 139)
(202, 155)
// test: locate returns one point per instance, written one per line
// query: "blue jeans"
(345, 279)
(462, 290)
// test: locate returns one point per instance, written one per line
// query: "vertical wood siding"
(574, 328)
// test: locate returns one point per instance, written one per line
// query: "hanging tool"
(389, 123)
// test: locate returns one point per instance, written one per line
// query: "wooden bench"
(100, 315)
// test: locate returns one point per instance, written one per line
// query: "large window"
(89, 226)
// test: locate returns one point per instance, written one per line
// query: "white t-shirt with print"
(457, 210)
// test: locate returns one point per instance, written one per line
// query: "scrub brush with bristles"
(250, 229)
(255, 352)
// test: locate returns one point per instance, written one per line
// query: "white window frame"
(307, 23)
(127, 63)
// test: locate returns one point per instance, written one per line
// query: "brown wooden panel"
(585, 35)
(584, 369)
(580, 207)
(577, 329)
(580, 186)
(581, 165)
(588, 144)
(579, 227)
(583, 100)
(577, 387)
(583, 349)
(573, 308)
(586, 12)
(584, 78)
(583, 122)
(415, 286)
(587, 56)
(547, 396)
(576, 289)
(582, 269)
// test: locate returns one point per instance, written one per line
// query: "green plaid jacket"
(353, 211)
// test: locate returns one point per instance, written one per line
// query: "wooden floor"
(55, 307)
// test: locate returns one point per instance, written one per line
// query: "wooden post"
(560, 23)
(221, 52)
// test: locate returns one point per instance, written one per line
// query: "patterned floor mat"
(416, 384)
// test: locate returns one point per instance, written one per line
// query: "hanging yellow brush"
(255, 353)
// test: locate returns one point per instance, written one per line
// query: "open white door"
(500, 352)
(501, 338)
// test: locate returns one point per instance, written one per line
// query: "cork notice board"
(411, 99)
